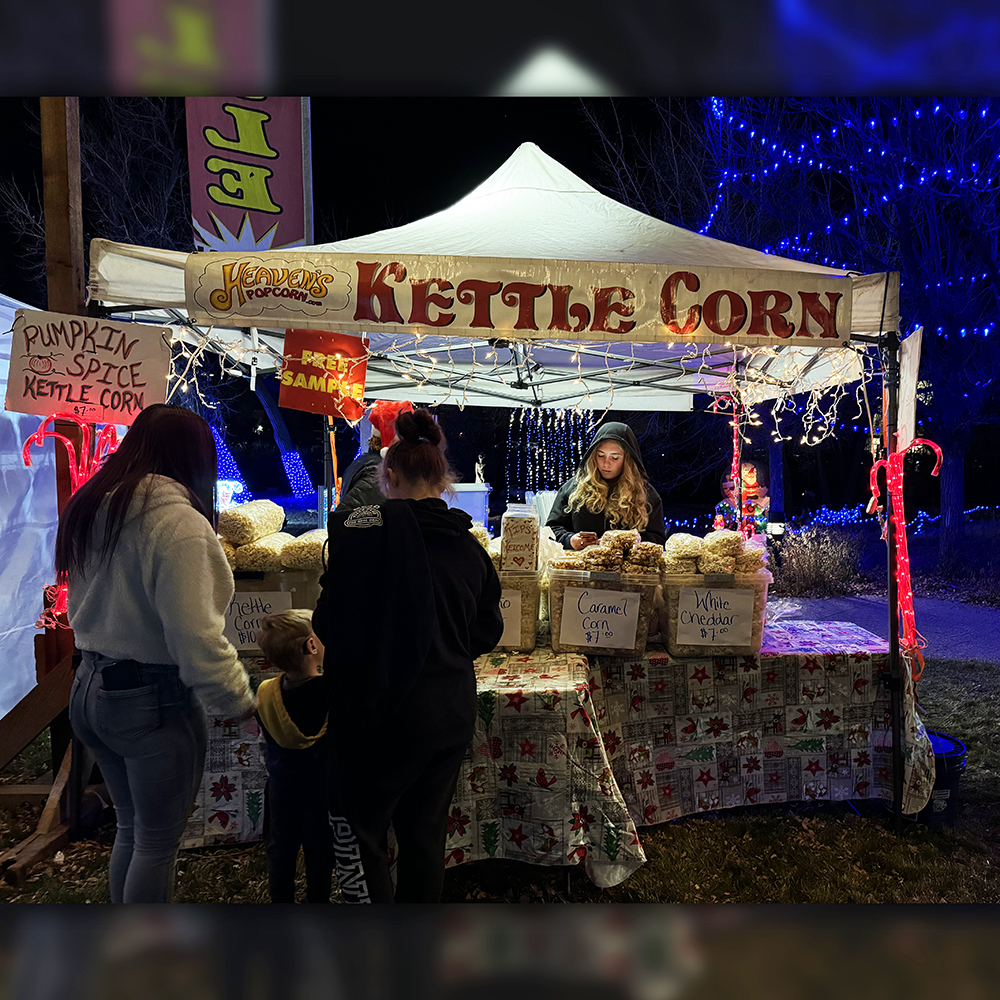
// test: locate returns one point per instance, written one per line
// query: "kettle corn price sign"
(324, 373)
(96, 369)
(599, 618)
(707, 617)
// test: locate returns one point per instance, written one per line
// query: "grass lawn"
(802, 852)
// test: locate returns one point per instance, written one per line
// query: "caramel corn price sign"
(97, 369)
(599, 618)
(710, 617)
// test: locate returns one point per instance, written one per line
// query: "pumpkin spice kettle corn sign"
(97, 369)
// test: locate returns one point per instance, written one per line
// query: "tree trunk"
(952, 522)
(270, 403)
(776, 470)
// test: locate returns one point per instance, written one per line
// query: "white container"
(519, 539)
(720, 615)
(598, 613)
(473, 498)
(519, 594)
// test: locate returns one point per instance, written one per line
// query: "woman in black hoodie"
(610, 490)
(409, 600)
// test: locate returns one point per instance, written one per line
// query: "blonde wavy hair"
(625, 506)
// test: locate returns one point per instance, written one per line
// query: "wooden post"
(64, 269)
(60, 121)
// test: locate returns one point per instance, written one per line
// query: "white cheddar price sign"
(510, 611)
(707, 616)
(599, 618)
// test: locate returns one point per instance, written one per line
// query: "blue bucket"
(949, 763)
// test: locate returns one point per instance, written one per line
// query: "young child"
(293, 717)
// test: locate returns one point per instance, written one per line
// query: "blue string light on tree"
(228, 471)
(298, 478)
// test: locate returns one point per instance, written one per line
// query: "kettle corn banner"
(523, 299)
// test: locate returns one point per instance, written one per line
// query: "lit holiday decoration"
(911, 641)
(81, 468)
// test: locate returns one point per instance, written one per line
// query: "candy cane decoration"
(81, 468)
(911, 641)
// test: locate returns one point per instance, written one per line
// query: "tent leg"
(890, 367)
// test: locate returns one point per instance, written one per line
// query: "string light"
(228, 470)
(298, 478)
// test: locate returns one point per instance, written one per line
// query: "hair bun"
(418, 425)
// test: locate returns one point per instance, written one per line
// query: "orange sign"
(324, 373)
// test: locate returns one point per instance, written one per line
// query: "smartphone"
(121, 676)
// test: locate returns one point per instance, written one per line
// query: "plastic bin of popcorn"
(714, 615)
(594, 612)
(519, 593)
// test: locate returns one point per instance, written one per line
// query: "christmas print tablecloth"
(229, 806)
(537, 785)
(807, 718)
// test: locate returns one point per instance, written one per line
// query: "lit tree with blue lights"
(870, 184)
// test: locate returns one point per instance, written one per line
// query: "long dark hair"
(163, 440)
(417, 453)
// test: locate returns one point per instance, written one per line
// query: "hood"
(623, 435)
(435, 515)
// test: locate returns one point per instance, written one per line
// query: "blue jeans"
(149, 742)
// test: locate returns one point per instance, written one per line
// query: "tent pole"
(890, 365)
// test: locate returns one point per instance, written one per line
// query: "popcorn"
(711, 563)
(682, 546)
(751, 559)
(527, 585)
(263, 555)
(250, 521)
(229, 550)
(679, 567)
(481, 535)
(306, 551)
(723, 543)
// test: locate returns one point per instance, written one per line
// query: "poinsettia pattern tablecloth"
(537, 784)
(806, 719)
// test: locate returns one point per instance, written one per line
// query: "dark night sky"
(377, 162)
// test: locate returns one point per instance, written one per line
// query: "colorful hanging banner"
(251, 179)
(324, 373)
(95, 369)
(167, 47)
(523, 299)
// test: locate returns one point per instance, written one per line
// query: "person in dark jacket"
(359, 487)
(610, 490)
(291, 709)
(399, 668)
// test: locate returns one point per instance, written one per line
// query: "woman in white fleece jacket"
(148, 590)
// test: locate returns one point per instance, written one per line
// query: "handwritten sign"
(245, 612)
(518, 542)
(97, 369)
(707, 617)
(599, 618)
(510, 611)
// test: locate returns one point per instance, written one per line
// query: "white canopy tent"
(531, 207)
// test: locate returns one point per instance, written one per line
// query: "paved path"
(953, 631)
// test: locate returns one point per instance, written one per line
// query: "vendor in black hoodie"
(409, 599)
(610, 490)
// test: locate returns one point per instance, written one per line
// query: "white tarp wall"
(28, 521)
